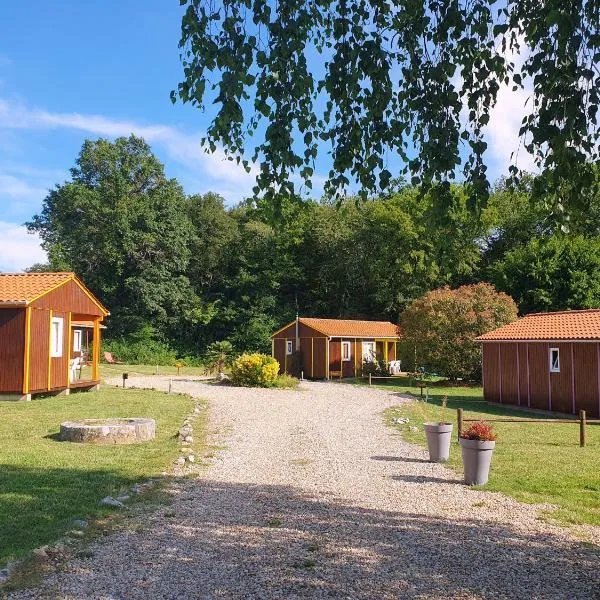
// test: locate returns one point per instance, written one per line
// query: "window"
(289, 347)
(56, 337)
(77, 340)
(368, 351)
(345, 350)
(554, 360)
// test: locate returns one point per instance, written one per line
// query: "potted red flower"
(439, 436)
(477, 444)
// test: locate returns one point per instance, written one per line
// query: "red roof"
(25, 287)
(563, 325)
(350, 328)
(21, 289)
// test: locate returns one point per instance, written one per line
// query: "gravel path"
(313, 497)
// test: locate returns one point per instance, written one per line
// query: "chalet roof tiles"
(563, 325)
(351, 328)
(22, 288)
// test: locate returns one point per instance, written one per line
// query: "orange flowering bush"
(439, 329)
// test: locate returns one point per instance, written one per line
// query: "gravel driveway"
(313, 497)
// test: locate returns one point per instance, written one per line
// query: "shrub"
(375, 367)
(218, 356)
(254, 370)
(439, 330)
(481, 431)
(286, 381)
(135, 352)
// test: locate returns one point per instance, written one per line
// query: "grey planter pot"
(439, 436)
(477, 457)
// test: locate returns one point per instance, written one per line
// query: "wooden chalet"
(48, 322)
(328, 348)
(548, 361)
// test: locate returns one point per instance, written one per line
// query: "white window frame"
(369, 350)
(346, 346)
(289, 347)
(56, 339)
(554, 364)
(77, 336)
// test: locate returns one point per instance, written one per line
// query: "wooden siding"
(561, 383)
(319, 346)
(509, 379)
(491, 373)
(335, 355)
(279, 353)
(304, 331)
(68, 297)
(391, 351)
(12, 345)
(523, 381)
(585, 359)
(40, 345)
(538, 375)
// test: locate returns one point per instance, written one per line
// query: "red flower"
(479, 431)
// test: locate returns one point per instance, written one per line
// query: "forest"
(179, 271)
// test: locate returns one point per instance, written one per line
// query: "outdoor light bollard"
(125, 378)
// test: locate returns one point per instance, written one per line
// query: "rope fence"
(582, 421)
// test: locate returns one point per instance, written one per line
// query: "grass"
(107, 370)
(45, 484)
(533, 462)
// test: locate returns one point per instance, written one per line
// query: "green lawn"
(45, 484)
(532, 462)
(107, 370)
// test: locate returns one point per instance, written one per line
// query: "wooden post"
(459, 419)
(582, 428)
(369, 378)
(96, 350)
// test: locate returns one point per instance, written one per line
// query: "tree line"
(184, 271)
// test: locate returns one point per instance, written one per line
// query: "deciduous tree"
(439, 329)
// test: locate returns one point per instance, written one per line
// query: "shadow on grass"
(38, 505)
(222, 543)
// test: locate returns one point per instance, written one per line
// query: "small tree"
(439, 329)
(218, 355)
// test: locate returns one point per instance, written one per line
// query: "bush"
(142, 348)
(254, 370)
(218, 356)
(287, 382)
(481, 431)
(375, 367)
(439, 330)
(147, 352)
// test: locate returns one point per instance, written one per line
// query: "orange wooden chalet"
(548, 361)
(328, 348)
(47, 323)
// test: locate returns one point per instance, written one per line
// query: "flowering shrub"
(254, 370)
(479, 431)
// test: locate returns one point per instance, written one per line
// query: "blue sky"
(75, 70)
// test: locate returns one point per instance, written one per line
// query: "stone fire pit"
(108, 431)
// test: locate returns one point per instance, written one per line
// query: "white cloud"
(19, 189)
(182, 147)
(18, 249)
(503, 130)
